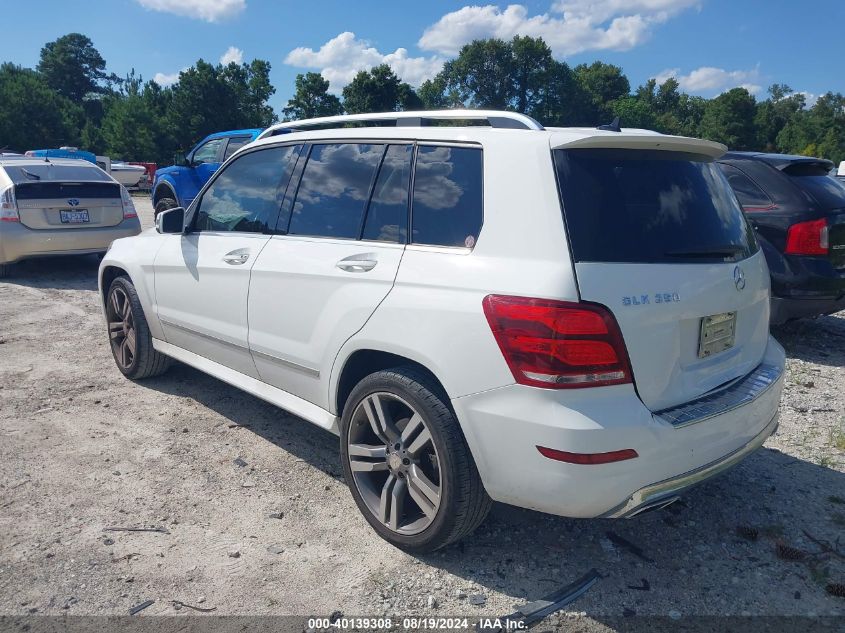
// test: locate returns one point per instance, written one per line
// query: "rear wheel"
(164, 204)
(407, 463)
(129, 336)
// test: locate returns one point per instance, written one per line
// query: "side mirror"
(171, 221)
(180, 160)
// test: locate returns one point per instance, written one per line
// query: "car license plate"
(718, 332)
(76, 216)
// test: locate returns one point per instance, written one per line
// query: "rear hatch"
(829, 195)
(657, 236)
(65, 196)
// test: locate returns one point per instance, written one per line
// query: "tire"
(414, 463)
(164, 204)
(127, 327)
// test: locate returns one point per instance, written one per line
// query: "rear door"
(202, 277)
(659, 238)
(313, 286)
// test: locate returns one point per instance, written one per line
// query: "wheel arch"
(365, 361)
(107, 275)
(164, 189)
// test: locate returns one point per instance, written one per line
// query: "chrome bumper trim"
(735, 394)
(653, 495)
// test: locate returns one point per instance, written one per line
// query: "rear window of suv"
(814, 179)
(644, 206)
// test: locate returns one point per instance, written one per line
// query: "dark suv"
(798, 213)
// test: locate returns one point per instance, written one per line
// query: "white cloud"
(208, 10)
(709, 81)
(343, 56)
(232, 54)
(570, 27)
(165, 79)
(810, 98)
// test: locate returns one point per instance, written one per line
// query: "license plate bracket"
(74, 216)
(717, 334)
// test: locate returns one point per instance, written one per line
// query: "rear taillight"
(807, 238)
(558, 344)
(8, 206)
(128, 206)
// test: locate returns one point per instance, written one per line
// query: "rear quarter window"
(447, 205)
(644, 206)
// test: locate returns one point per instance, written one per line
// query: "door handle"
(236, 258)
(355, 265)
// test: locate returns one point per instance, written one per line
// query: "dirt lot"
(83, 449)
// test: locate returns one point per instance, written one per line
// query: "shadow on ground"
(736, 540)
(68, 272)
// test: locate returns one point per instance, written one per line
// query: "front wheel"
(129, 335)
(164, 204)
(407, 463)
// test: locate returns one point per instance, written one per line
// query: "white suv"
(569, 320)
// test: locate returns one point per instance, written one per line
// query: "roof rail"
(496, 119)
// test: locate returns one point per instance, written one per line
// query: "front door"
(202, 277)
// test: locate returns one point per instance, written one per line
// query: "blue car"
(179, 184)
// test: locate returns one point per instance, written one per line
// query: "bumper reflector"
(588, 458)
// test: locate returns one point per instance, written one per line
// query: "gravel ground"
(277, 531)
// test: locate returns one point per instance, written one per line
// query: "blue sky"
(709, 45)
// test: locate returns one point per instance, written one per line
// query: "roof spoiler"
(628, 140)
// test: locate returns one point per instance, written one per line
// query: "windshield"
(649, 206)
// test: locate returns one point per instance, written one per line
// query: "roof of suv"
(778, 161)
(422, 125)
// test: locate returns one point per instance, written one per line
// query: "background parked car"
(798, 212)
(59, 207)
(178, 185)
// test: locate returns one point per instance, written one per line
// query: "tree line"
(71, 99)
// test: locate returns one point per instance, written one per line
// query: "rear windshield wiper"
(30, 175)
(729, 250)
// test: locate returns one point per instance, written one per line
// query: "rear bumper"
(664, 492)
(504, 426)
(784, 309)
(18, 242)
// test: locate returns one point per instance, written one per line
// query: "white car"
(569, 320)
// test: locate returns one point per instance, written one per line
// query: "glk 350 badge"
(657, 297)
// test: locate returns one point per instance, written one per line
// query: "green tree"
(73, 67)
(775, 113)
(209, 98)
(482, 74)
(33, 115)
(729, 119)
(378, 90)
(819, 131)
(603, 83)
(311, 99)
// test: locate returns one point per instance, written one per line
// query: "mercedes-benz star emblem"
(739, 278)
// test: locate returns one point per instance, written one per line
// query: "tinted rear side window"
(649, 207)
(334, 190)
(814, 179)
(749, 194)
(448, 202)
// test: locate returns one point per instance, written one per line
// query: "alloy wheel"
(394, 463)
(122, 333)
